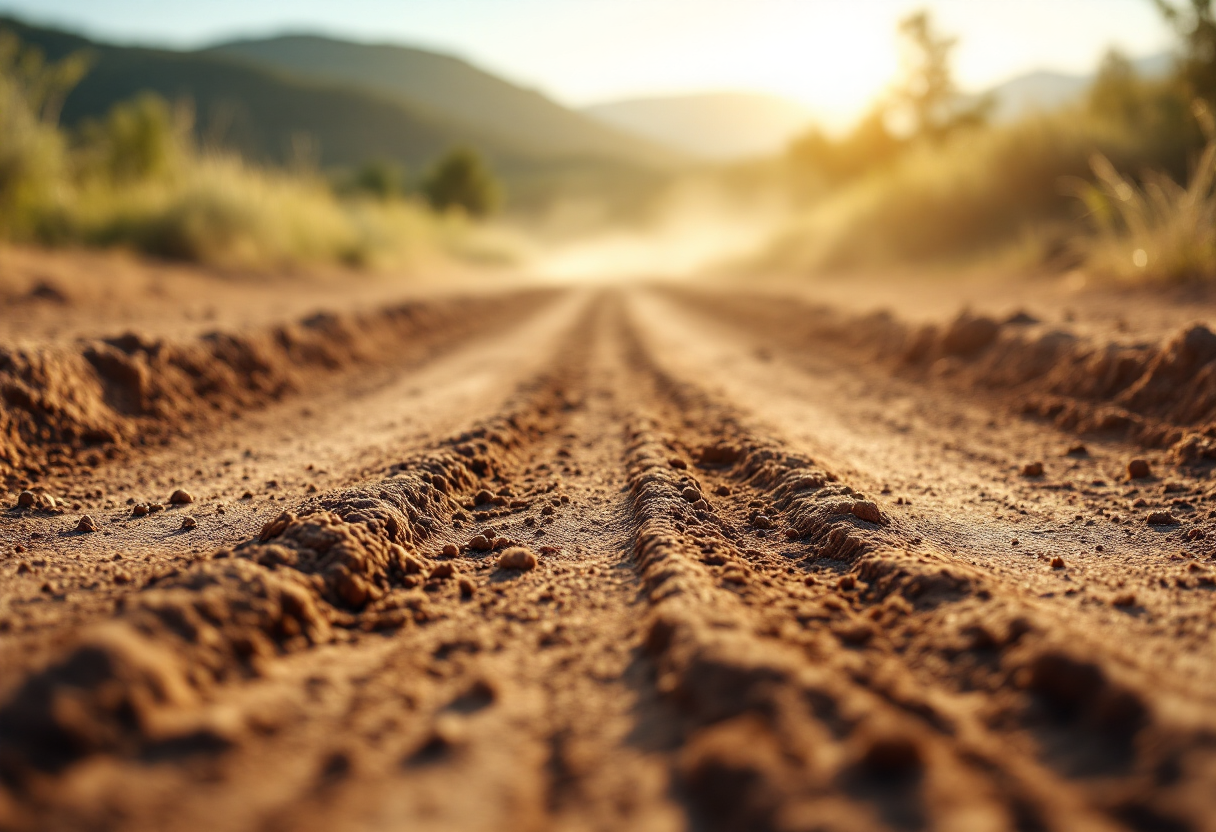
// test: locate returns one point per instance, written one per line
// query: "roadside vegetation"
(138, 179)
(1119, 184)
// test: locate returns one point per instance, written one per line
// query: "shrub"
(462, 180)
(138, 139)
(380, 178)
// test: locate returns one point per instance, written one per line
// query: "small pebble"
(86, 524)
(480, 543)
(181, 497)
(26, 499)
(1057, 563)
(1032, 469)
(450, 550)
(140, 510)
(189, 523)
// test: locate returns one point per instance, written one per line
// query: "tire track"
(915, 629)
(719, 632)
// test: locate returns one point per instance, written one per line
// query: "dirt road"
(645, 559)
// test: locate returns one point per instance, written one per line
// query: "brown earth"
(641, 558)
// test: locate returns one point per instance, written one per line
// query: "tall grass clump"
(949, 186)
(33, 153)
(965, 197)
(1157, 230)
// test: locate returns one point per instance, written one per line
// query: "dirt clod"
(1138, 469)
(276, 527)
(1032, 469)
(867, 511)
(1057, 562)
(1161, 518)
(892, 755)
(450, 550)
(517, 557)
(480, 543)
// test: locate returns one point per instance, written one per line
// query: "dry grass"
(219, 210)
(1158, 231)
(982, 191)
(135, 179)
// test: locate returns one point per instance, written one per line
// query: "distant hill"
(257, 112)
(730, 126)
(450, 88)
(718, 126)
(263, 112)
(1045, 90)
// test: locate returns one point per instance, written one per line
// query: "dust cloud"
(693, 227)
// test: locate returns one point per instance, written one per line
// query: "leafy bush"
(462, 180)
(139, 139)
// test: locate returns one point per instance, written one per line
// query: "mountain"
(263, 112)
(449, 87)
(259, 113)
(719, 126)
(1045, 90)
(726, 126)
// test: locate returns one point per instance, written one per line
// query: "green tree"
(928, 98)
(832, 161)
(461, 179)
(1195, 23)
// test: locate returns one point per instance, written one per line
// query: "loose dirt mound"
(66, 407)
(1158, 394)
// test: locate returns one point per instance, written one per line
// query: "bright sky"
(834, 55)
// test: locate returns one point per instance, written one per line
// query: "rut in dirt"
(624, 599)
